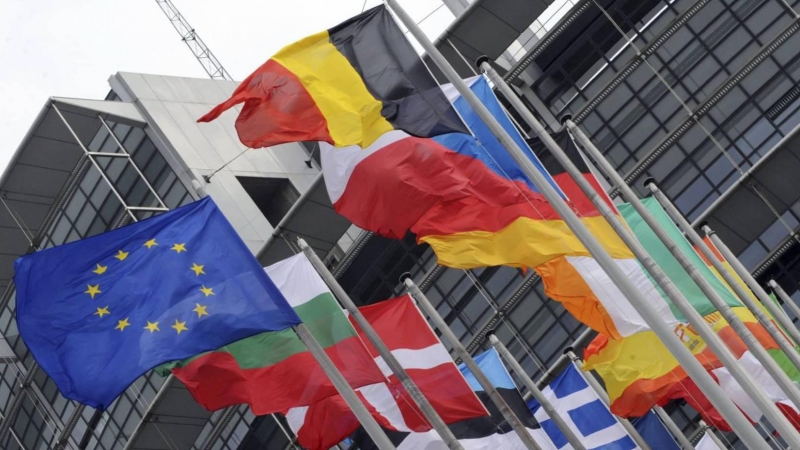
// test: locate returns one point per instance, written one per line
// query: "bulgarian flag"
(273, 371)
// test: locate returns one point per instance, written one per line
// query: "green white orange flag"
(273, 371)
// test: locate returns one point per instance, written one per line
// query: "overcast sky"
(69, 49)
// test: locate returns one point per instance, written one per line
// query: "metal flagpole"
(673, 428)
(345, 390)
(391, 361)
(462, 353)
(598, 389)
(537, 394)
(780, 315)
(615, 273)
(753, 389)
(710, 431)
(694, 237)
(778, 290)
(786, 384)
(701, 377)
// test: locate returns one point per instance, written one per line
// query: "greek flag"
(584, 413)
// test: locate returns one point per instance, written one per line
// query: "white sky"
(69, 49)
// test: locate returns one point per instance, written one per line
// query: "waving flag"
(273, 371)
(638, 370)
(348, 85)
(100, 312)
(583, 412)
(480, 433)
(409, 337)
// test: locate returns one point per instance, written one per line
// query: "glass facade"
(734, 64)
(91, 207)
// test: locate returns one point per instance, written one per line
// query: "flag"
(411, 340)
(638, 370)
(100, 312)
(706, 443)
(577, 281)
(347, 85)
(480, 433)
(467, 199)
(443, 191)
(688, 391)
(654, 432)
(273, 371)
(584, 413)
(780, 357)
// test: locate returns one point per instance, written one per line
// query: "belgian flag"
(345, 86)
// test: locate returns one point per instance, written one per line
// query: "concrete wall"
(172, 106)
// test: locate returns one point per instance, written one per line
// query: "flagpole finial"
(569, 351)
(405, 276)
(199, 188)
(706, 228)
(650, 181)
(491, 332)
(482, 59)
(565, 118)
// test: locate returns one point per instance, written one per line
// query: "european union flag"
(100, 312)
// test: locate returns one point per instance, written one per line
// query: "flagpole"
(710, 431)
(753, 389)
(673, 428)
(473, 367)
(615, 273)
(349, 395)
(551, 412)
(781, 378)
(598, 389)
(391, 361)
(778, 290)
(694, 237)
(744, 274)
(709, 387)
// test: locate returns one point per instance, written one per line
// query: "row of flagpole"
(695, 370)
(706, 383)
(699, 375)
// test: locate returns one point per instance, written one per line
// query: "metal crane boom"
(207, 59)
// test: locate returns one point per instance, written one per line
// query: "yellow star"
(179, 247)
(152, 327)
(198, 269)
(100, 269)
(207, 291)
(93, 290)
(149, 244)
(179, 326)
(122, 324)
(121, 255)
(200, 310)
(102, 312)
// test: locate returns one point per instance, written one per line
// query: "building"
(734, 63)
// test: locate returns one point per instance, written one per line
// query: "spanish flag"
(348, 85)
(639, 372)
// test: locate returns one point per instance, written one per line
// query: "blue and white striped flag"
(584, 413)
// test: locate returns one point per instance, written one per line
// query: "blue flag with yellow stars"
(100, 312)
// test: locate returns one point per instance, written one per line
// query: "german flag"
(345, 86)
